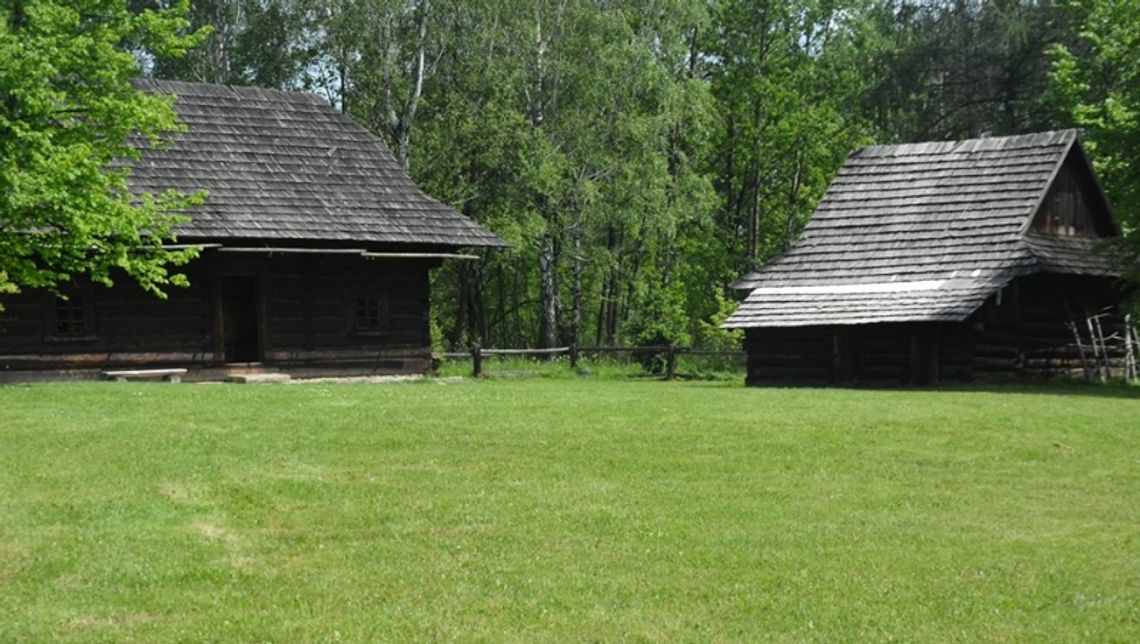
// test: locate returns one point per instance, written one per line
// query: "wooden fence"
(669, 352)
(1101, 352)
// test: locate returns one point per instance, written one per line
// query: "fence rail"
(670, 353)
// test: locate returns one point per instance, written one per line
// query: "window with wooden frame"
(370, 314)
(70, 318)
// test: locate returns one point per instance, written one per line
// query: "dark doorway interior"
(924, 357)
(239, 319)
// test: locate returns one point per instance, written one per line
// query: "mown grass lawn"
(567, 510)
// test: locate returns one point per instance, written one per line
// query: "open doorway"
(240, 339)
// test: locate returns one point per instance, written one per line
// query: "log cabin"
(316, 248)
(945, 261)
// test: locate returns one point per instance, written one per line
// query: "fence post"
(670, 361)
(574, 355)
(476, 361)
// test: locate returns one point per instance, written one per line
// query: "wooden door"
(240, 338)
(924, 355)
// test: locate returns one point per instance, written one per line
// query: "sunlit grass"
(580, 509)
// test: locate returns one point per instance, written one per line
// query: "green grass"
(618, 367)
(522, 510)
(514, 367)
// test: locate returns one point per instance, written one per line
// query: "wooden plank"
(169, 375)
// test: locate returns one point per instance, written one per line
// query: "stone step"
(258, 378)
(242, 368)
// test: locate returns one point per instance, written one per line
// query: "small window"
(370, 314)
(69, 319)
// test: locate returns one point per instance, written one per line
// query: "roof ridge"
(192, 88)
(1047, 138)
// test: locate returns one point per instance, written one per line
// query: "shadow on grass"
(1114, 389)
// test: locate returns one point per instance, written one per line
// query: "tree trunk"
(402, 123)
(540, 97)
(599, 324)
(459, 331)
(576, 285)
(756, 208)
(548, 274)
(793, 199)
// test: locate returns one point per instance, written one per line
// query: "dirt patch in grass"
(91, 622)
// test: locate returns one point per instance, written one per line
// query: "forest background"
(639, 155)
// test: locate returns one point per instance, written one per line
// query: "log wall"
(1021, 333)
(305, 316)
(1024, 334)
(860, 354)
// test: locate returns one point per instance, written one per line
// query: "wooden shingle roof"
(286, 167)
(920, 232)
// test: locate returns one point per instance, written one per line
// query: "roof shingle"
(288, 167)
(950, 216)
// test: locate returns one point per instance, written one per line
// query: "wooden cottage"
(316, 251)
(940, 261)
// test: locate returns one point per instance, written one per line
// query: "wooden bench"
(169, 375)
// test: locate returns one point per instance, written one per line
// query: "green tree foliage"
(67, 109)
(953, 69)
(577, 134)
(1097, 80)
(784, 78)
(242, 42)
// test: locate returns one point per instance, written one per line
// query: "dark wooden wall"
(309, 314)
(1022, 333)
(304, 307)
(1073, 206)
(125, 326)
(896, 353)
(1027, 335)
